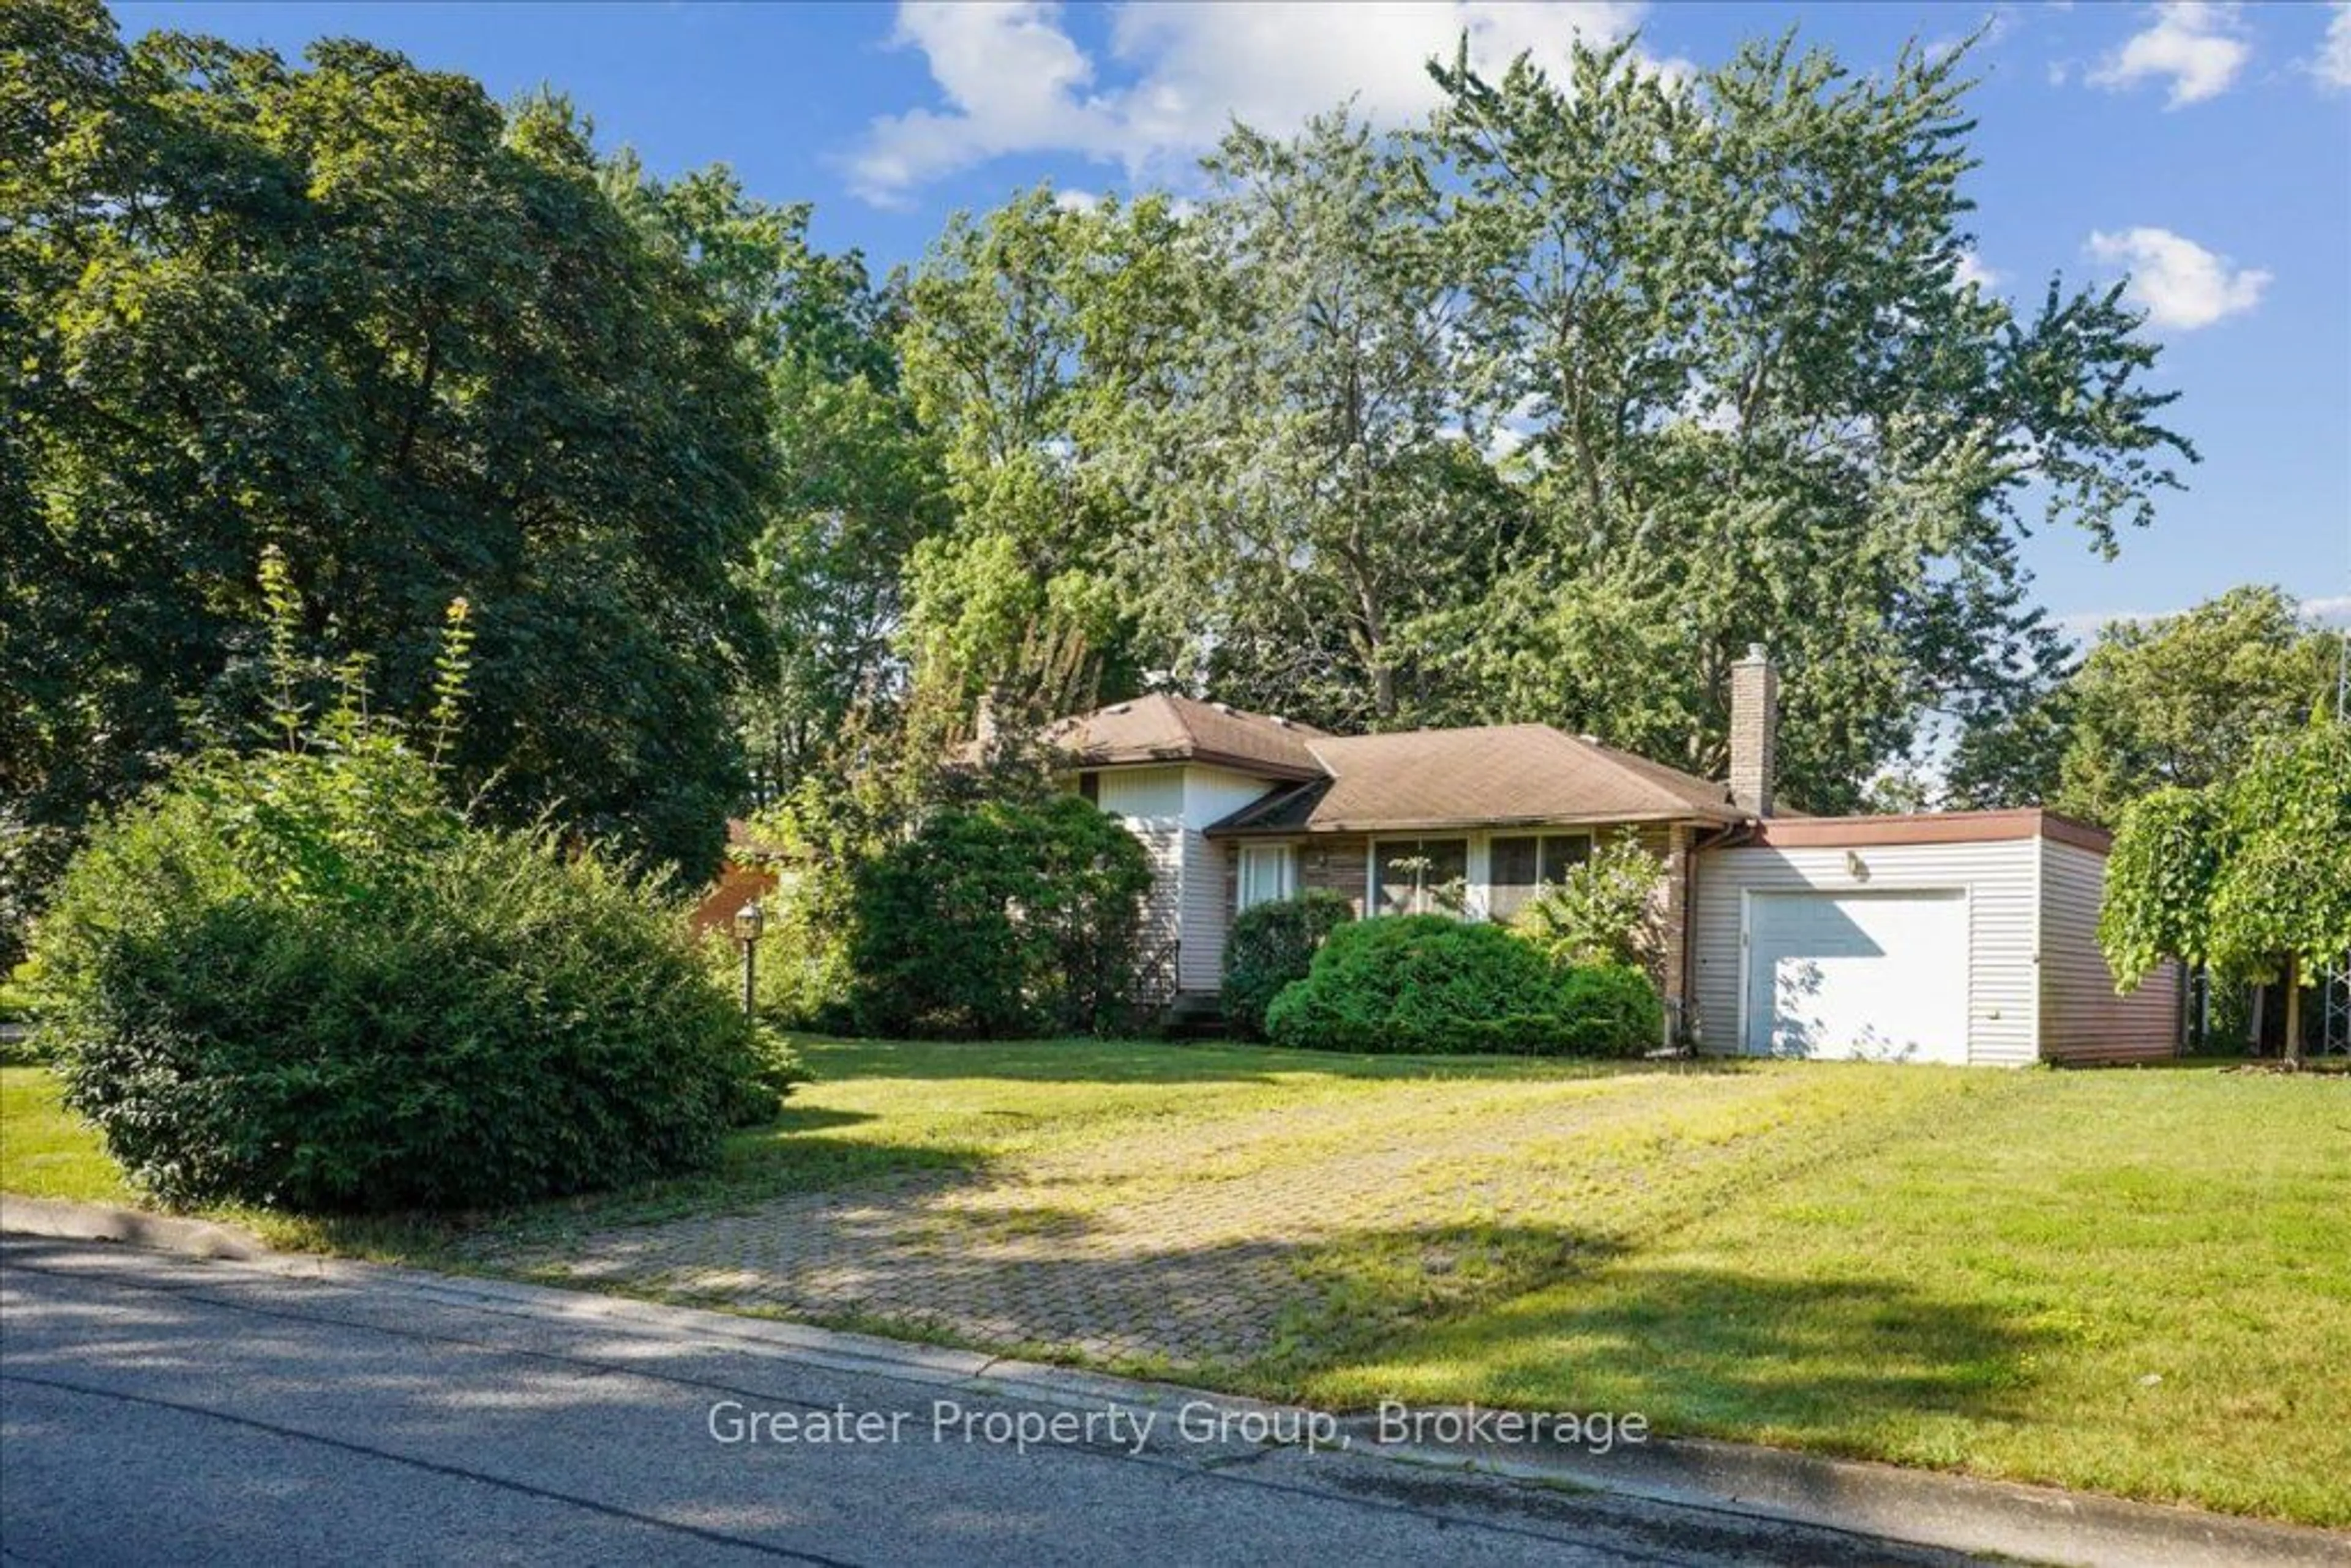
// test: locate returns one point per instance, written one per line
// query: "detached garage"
(1960, 937)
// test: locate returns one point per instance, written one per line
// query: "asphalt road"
(160, 1409)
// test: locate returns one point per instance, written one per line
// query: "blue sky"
(2204, 149)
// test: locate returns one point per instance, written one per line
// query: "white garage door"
(1876, 975)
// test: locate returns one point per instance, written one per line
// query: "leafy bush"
(299, 980)
(1422, 983)
(1610, 1009)
(302, 979)
(802, 979)
(1271, 945)
(778, 1069)
(1604, 911)
(999, 918)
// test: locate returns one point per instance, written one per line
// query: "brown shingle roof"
(1495, 774)
(1162, 728)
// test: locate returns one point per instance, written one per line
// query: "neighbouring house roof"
(1162, 729)
(1494, 775)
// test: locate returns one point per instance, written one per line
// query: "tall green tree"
(2247, 874)
(2187, 699)
(1762, 405)
(1313, 488)
(859, 483)
(1026, 330)
(351, 310)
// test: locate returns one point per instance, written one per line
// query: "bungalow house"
(1961, 937)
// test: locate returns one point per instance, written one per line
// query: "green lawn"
(44, 1152)
(2134, 1281)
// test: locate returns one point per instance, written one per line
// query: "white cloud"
(1990, 31)
(2086, 624)
(1971, 269)
(2331, 64)
(1013, 80)
(2178, 283)
(2199, 46)
(1071, 199)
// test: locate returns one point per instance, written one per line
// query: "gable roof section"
(1492, 775)
(1162, 729)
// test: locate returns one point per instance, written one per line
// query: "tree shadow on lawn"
(1530, 1316)
(1835, 1363)
(789, 1158)
(1145, 1061)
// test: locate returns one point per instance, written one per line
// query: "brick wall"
(1339, 864)
(1674, 978)
(1754, 730)
(737, 886)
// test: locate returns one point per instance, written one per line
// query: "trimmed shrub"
(1421, 983)
(301, 980)
(778, 1069)
(1610, 1009)
(1271, 945)
(1000, 919)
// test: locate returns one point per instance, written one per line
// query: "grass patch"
(2132, 1281)
(44, 1151)
(2137, 1283)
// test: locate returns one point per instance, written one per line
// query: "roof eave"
(1177, 755)
(1726, 817)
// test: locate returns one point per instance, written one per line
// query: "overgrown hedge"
(1431, 984)
(1271, 945)
(301, 980)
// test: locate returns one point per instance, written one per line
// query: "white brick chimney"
(1754, 729)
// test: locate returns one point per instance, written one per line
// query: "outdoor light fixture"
(749, 921)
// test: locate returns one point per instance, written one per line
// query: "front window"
(1265, 874)
(1523, 864)
(1419, 876)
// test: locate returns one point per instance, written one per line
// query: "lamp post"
(749, 922)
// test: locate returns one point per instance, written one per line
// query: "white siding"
(1143, 795)
(2082, 1019)
(1151, 800)
(1210, 795)
(2000, 880)
(1190, 903)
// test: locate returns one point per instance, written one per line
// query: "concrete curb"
(1925, 1507)
(132, 1226)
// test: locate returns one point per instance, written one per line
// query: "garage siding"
(2001, 879)
(2082, 1019)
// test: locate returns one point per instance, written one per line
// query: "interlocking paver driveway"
(1181, 1244)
